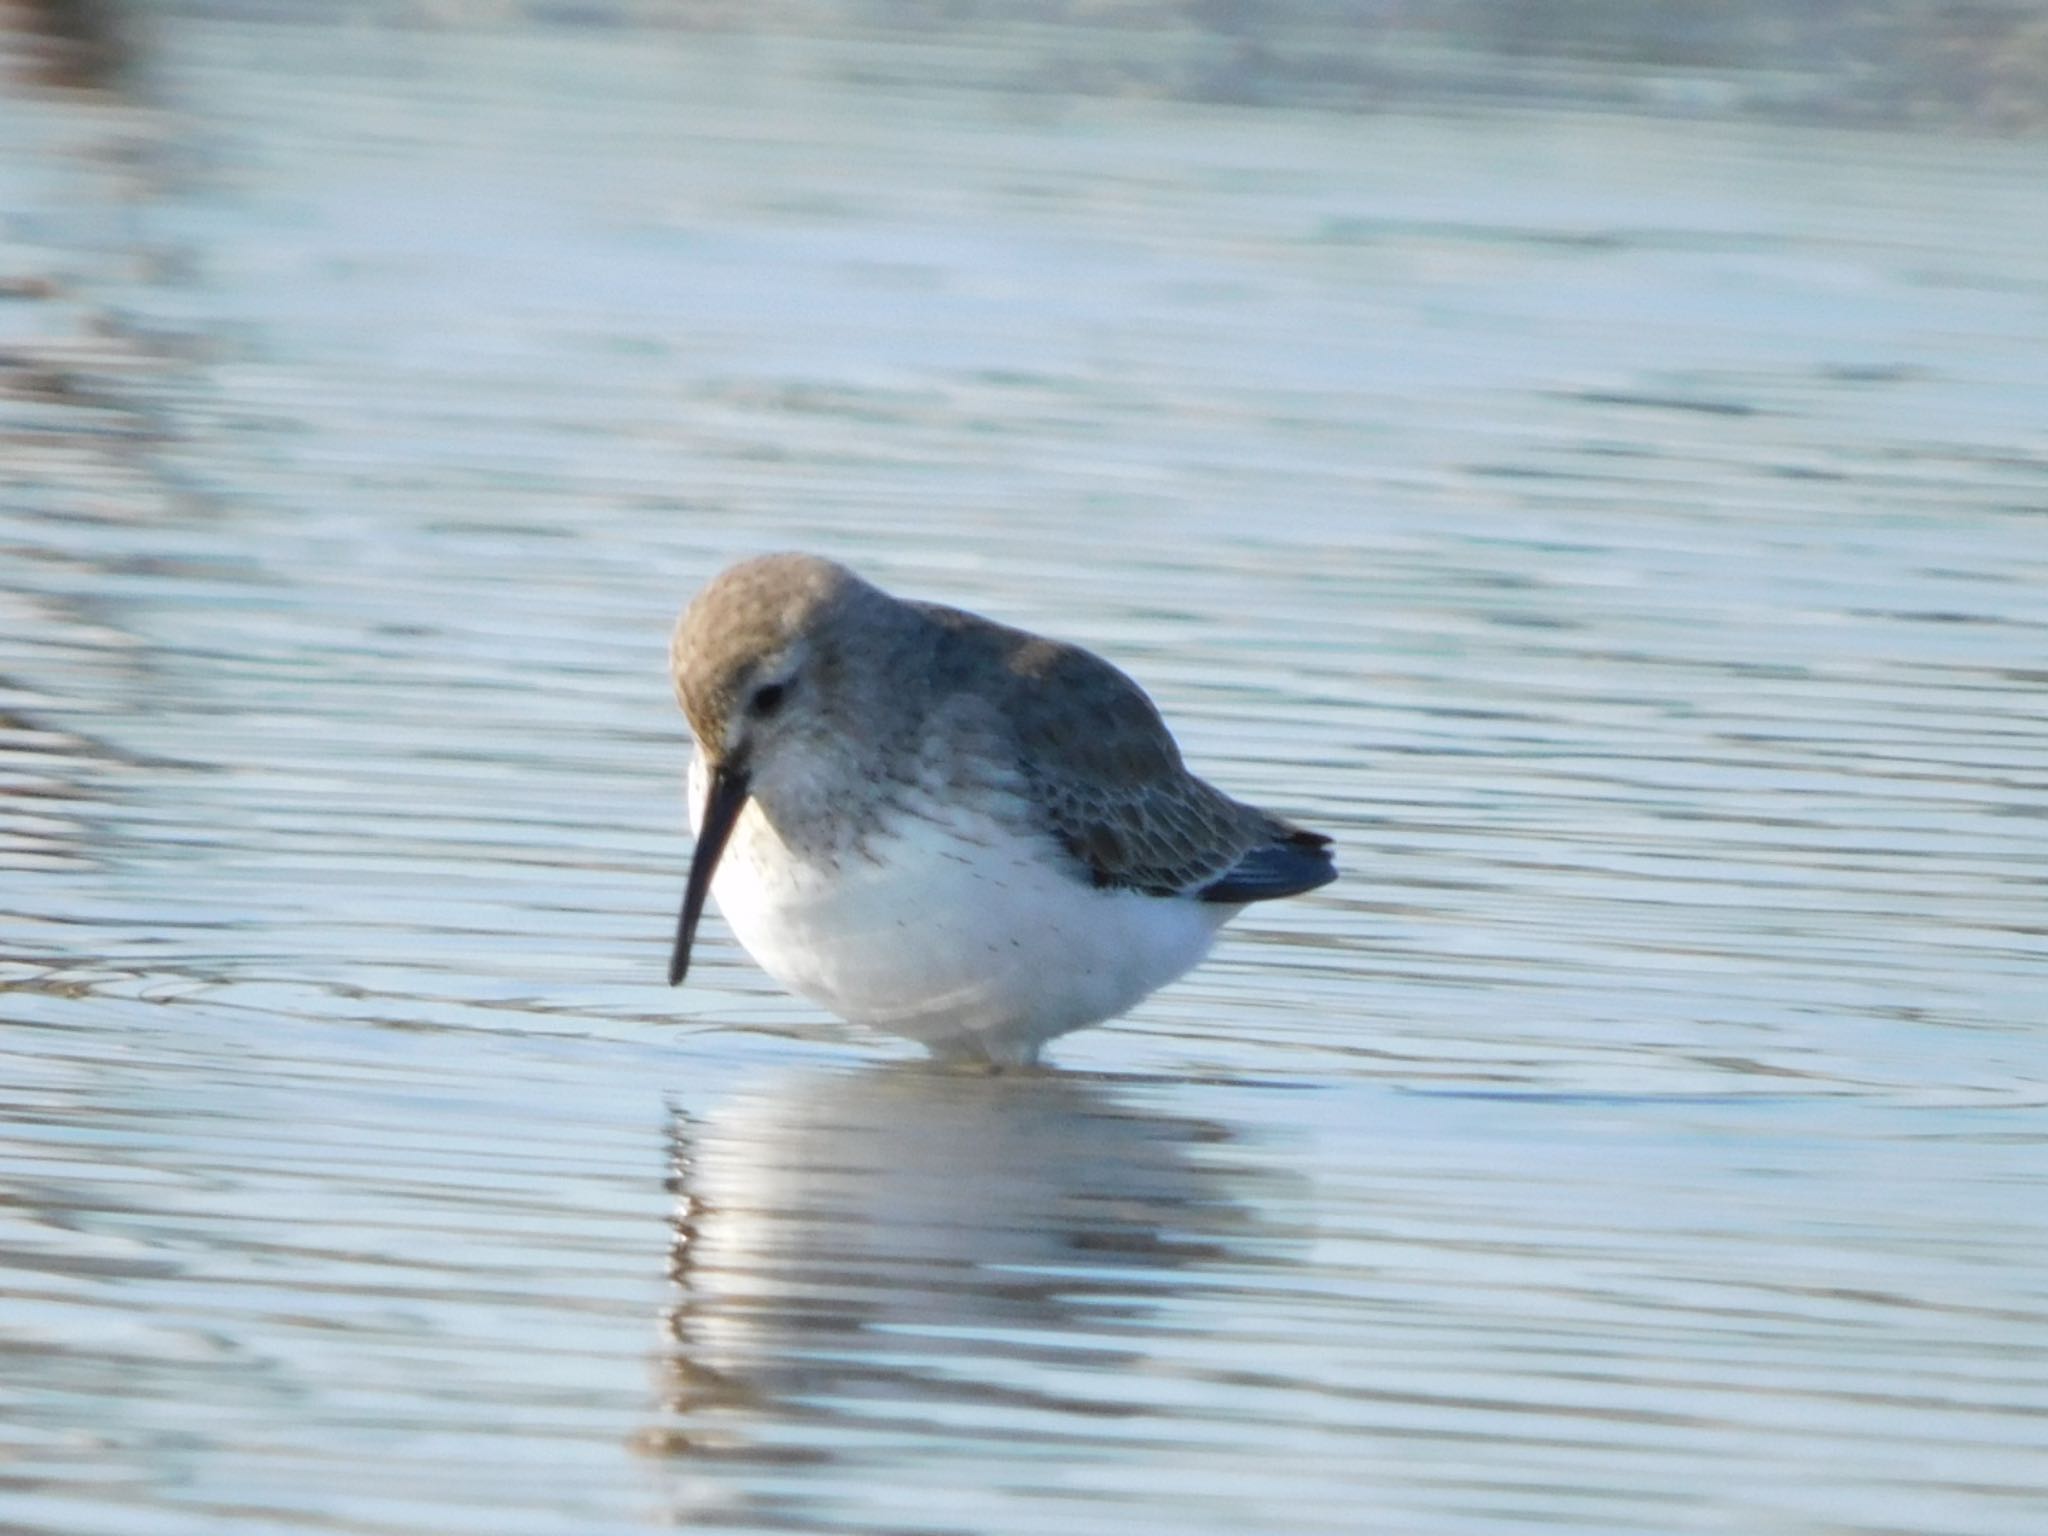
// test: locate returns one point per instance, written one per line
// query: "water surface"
(1627, 537)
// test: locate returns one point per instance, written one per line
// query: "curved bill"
(724, 799)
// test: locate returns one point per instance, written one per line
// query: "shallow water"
(1628, 537)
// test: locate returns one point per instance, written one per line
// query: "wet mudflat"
(1627, 536)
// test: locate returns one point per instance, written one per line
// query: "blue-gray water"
(1629, 537)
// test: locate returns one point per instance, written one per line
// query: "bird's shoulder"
(1094, 759)
(1064, 704)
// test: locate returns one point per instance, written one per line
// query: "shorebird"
(945, 828)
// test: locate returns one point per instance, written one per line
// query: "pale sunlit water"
(1628, 537)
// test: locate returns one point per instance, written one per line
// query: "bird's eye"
(767, 699)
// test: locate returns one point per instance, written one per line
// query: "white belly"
(952, 930)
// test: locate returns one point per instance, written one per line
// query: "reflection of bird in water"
(854, 1251)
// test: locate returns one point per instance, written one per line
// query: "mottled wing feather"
(1107, 778)
(1164, 838)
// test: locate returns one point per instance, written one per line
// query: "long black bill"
(723, 801)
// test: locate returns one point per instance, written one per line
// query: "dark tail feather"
(1294, 862)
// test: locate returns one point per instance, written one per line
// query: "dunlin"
(945, 828)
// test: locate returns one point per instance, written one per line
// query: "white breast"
(951, 928)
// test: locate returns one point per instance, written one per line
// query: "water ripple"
(1623, 535)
